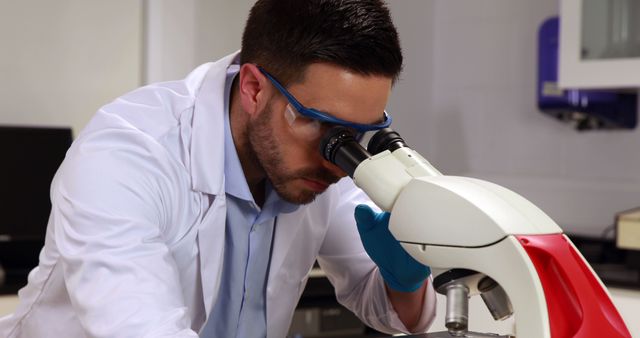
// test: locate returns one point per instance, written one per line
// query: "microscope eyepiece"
(385, 139)
(339, 147)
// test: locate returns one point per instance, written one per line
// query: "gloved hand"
(399, 270)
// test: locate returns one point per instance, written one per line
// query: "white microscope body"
(488, 233)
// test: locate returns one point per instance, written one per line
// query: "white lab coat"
(135, 240)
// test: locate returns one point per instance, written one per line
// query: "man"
(199, 206)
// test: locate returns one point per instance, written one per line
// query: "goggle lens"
(303, 127)
(309, 129)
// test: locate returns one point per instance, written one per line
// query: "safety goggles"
(310, 123)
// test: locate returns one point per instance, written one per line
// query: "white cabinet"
(599, 44)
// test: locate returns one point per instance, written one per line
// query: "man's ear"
(252, 89)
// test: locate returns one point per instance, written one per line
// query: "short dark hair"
(286, 36)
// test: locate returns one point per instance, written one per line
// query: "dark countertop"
(616, 267)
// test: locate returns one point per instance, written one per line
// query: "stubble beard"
(264, 150)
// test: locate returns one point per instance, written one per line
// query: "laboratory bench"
(319, 310)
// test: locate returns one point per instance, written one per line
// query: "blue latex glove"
(399, 270)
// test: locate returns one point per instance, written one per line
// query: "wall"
(61, 60)
(475, 105)
(181, 34)
(411, 101)
(466, 99)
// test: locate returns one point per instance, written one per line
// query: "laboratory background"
(499, 90)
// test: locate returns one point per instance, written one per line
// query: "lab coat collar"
(207, 158)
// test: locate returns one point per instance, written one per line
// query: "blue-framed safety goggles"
(322, 116)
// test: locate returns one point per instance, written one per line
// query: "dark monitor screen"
(29, 158)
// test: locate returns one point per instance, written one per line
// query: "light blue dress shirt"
(240, 309)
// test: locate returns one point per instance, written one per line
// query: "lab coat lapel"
(207, 138)
(211, 234)
(207, 174)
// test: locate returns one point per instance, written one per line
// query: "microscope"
(479, 238)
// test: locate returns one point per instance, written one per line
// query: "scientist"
(197, 207)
